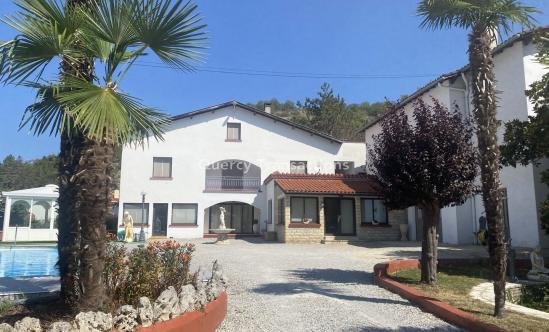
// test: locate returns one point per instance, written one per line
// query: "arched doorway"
(240, 216)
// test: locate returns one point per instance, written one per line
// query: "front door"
(339, 216)
(160, 219)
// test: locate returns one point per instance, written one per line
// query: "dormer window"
(233, 132)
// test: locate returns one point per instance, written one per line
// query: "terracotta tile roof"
(325, 183)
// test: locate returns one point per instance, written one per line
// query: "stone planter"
(207, 320)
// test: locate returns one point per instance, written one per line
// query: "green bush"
(146, 271)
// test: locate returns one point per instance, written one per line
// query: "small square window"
(233, 132)
(162, 167)
(298, 167)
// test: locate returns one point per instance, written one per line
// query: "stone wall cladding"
(304, 235)
(383, 233)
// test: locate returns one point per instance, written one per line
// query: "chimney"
(267, 107)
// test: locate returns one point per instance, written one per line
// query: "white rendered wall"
(195, 142)
(515, 70)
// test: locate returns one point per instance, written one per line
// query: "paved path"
(283, 287)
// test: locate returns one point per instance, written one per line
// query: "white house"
(31, 214)
(263, 169)
(515, 70)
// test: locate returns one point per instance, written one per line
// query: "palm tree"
(483, 18)
(92, 113)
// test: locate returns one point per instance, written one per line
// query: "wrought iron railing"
(232, 183)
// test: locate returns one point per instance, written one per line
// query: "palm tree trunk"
(94, 197)
(69, 168)
(485, 110)
(68, 224)
(429, 244)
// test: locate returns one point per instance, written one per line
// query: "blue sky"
(345, 37)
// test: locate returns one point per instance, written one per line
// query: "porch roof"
(340, 184)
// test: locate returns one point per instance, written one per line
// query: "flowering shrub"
(146, 271)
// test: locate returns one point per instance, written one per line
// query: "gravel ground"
(285, 287)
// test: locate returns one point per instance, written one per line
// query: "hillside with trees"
(328, 113)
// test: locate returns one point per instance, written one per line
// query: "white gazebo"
(31, 214)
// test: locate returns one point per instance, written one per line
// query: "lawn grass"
(453, 287)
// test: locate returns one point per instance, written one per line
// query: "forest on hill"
(327, 112)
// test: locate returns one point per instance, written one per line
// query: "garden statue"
(538, 272)
(128, 227)
(222, 230)
(222, 212)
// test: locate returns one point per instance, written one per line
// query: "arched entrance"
(240, 216)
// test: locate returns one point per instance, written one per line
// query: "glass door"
(160, 219)
(347, 217)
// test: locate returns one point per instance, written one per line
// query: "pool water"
(28, 261)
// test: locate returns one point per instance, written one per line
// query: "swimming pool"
(28, 261)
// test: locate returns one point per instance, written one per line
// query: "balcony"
(232, 184)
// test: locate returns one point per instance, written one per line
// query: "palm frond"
(104, 113)
(46, 114)
(490, 14)
(41, 39)
(173, 32)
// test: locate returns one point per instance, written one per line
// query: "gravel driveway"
(286, 287)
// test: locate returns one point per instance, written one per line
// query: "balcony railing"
(232, 183)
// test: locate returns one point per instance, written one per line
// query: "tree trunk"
(94, 197)
(68, 225)
(429, 245)
(72, 141)
(485, 110)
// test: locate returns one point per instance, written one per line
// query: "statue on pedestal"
(538, 272)
(128, 227)
(222, 212)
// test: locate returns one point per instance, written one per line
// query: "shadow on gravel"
(404, 328)
(318, 281)
(334, 276)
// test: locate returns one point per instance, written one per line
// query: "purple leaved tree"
(429, 162)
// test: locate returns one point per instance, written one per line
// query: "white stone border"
(485, 293)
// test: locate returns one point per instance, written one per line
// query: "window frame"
(270, 211)
(298, 161)
(195, 223)
(281, 211)
(363, 212)
(169, 177)
(304, 198)
(137, 224)
(234, 125)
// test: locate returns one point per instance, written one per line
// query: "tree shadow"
(321, 282)
(405, 329)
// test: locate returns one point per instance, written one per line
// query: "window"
(298, 167)
(41, 215)
(20, 213)
(233, 132)
(304, 209)
(162, 167)
(184, 214)
(135, 210)
(281, 211)
(270, 217)
(344, 167)
(374, 212)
